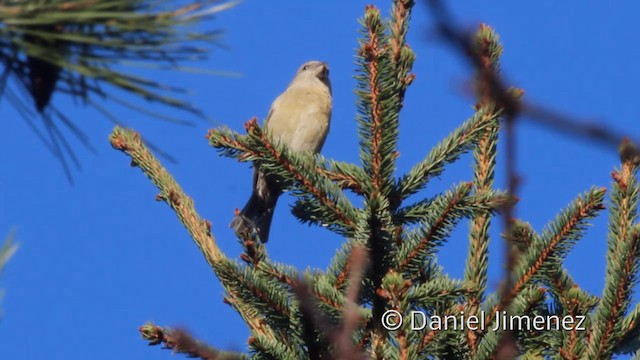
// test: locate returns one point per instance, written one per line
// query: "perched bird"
(299, 118)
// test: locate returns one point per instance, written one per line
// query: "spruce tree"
(387, 265)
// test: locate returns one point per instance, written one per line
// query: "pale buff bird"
(299, 118)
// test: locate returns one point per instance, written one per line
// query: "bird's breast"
(300, 118)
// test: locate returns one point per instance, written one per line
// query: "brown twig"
(498, 91)
(589, 130)
(181, 342)
(488, 52)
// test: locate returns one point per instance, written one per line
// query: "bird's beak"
(325, 70)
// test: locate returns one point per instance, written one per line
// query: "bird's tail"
(255, 218)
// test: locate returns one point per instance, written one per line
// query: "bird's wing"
(258, 178)
(274, 106)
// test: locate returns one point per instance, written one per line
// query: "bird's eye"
(306, 67)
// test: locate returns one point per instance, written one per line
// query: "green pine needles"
(75, 47)
(387, 269)
(97, 50)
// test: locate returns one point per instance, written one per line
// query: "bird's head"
(314, 69)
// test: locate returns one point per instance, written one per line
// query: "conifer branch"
(394, 289)
(264, 294)
(440, 289)
(630, 327)
(417, 246)
(496, 90)
(570, 300)
(402, 56)
(332, 302)
(340, 266)
(444, 297)
(182, 343)
(171, 193)
(622, 262)
(422, 211)
(373, 56)
(273, 348)
(345, 348)
(296, 170)
(256, 256)
(263, 338)
(555, 244)
(384, 63)
(254, 251)
(340, 337)
(313, 324)
(330, 299)
(572, 341)
(291, 318)
(488, 46)
(285, 276)
(347, 176)
(373, 229)
(461, 140)
(528, 303)
(76, 45)
(429, 336)
(478, 254)
(556, 277)
(89, 51)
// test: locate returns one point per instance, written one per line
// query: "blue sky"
(99, 259)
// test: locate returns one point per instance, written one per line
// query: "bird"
(299, 118)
